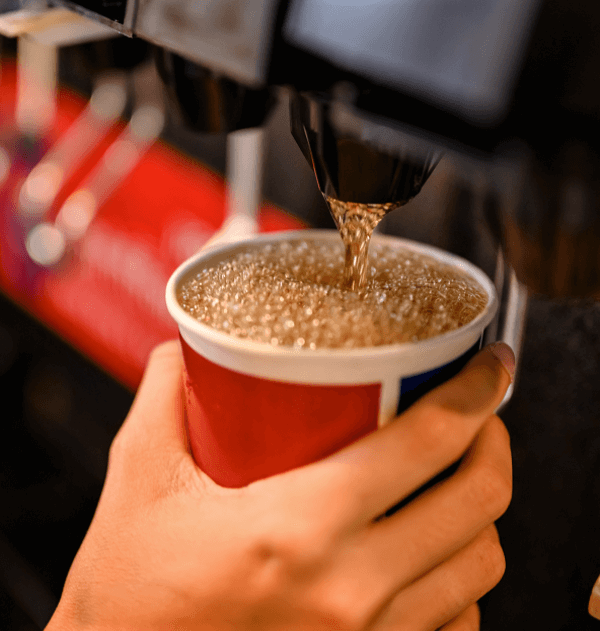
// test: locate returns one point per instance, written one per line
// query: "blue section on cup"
(414, 387)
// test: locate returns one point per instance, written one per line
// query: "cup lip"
(189, 324)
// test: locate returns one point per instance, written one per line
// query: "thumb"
(480, 386)
(154, 429)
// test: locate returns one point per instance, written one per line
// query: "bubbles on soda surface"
(291, 293)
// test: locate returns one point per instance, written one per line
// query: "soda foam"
(291, 293)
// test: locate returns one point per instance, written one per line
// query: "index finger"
(388, 465)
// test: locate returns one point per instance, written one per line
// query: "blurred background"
(103, 193)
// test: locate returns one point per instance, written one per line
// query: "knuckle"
(117, 450)
(478, 569)
(441, 429)
(491, 490)
(122, 451)
(500, 427)
(351, 618)
(468, 621)
(294, 560)
(118, 466)
(293, 549)
(491, 560)
(343, 610)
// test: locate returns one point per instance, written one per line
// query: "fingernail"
(507, 358)
(594, 606)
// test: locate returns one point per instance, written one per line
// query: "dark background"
(59, 415)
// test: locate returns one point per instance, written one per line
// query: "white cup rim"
(189, 324)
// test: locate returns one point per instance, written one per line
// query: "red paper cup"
(254, 410)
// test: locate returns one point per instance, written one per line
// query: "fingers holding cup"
(389, 465)
(445, 598)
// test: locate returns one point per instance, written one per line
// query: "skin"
(168, 549)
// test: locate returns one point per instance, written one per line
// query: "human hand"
(169, 549)
(594, 604)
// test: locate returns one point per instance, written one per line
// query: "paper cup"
(254, 410)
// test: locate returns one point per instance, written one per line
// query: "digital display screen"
(460, 55)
